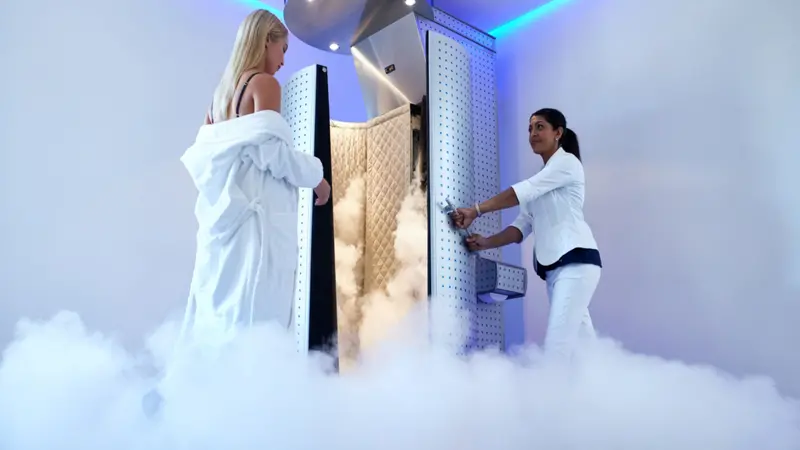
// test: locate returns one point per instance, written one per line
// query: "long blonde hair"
(258, 28)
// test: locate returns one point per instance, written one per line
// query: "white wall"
(685, 111)
(99, 100)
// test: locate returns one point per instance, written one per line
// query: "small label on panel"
(389, 69)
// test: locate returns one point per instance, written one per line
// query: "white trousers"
(570, 289)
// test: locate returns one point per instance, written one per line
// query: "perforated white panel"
(486, 320)
(464, 29)
(299, 109)
(484, 122)
(492, 276)
(451, 177)
(512, 279)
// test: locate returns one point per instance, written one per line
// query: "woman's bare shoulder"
(266, 91)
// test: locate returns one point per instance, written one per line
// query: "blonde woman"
(247, 173)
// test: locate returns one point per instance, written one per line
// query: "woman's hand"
(476, 242)
(463, 217)
(323, 191)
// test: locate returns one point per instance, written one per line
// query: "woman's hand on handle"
(510, 235)
(323, 191)
(476, 243)
(463, 217)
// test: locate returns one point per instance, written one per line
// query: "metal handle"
(449, 209)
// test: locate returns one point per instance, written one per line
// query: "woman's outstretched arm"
(510, 235)
(463, 217)
(504, 200)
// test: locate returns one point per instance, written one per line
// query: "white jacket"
(247, 174)
(551, 207)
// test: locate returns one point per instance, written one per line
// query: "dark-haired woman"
(551, 207)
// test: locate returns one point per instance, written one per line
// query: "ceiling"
(486, 14)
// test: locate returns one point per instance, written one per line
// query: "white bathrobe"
(247, 173)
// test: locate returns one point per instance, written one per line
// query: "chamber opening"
(379, 178)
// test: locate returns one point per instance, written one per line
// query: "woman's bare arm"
(510, 235)
(504, 200)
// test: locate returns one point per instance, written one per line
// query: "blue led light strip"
(525, 19)
(256, 4)
(503, 30)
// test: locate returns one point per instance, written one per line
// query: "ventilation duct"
(384, 37)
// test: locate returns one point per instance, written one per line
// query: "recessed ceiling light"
(334, 46)
(411, 2)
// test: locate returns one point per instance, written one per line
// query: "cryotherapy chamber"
(384, 247)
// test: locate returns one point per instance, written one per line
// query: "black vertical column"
(426, 113)
(322, 318)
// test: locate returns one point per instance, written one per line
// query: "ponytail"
(569, 142)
